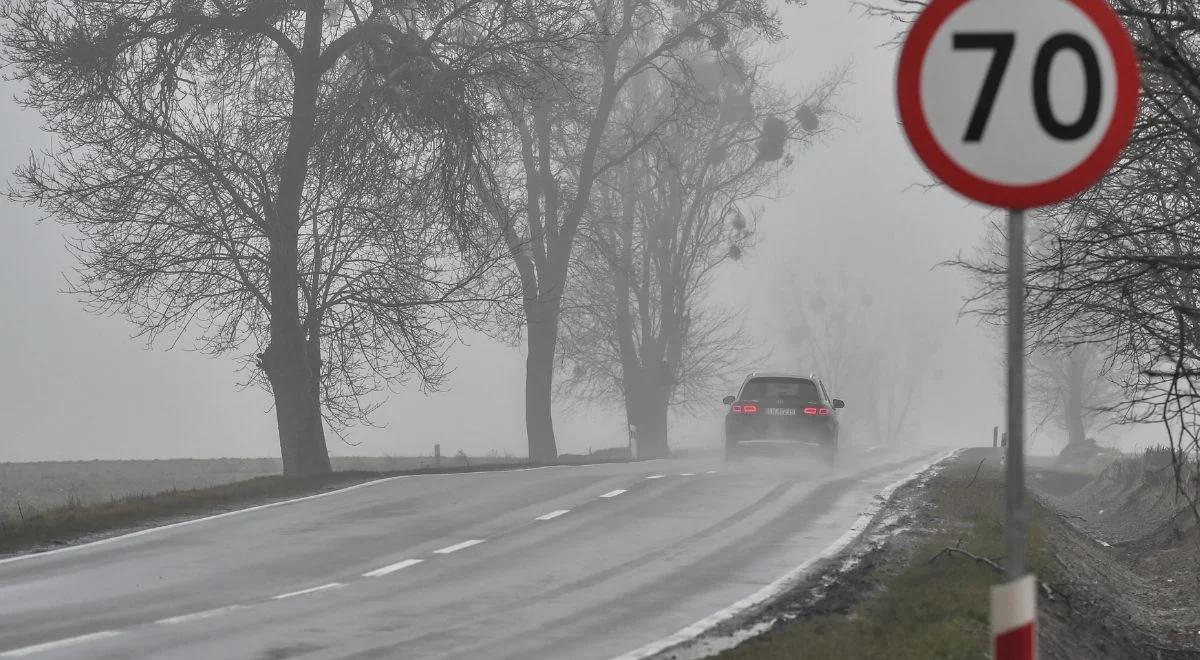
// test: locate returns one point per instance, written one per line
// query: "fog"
(537, 233)
(77, 386)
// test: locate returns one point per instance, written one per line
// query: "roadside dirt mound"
(1086, 457)
(1132, 498)
(1060, 483)
(1147, 602)
(1128, 549)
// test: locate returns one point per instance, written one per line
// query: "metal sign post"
(1017, 520)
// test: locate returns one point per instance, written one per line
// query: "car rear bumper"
(819, 435)
(779, 443)
(779, 447)
(779, 429)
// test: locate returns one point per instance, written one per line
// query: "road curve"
(572, 562)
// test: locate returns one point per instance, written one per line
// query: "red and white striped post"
(1014, 619)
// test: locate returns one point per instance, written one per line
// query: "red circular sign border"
(1072, 182)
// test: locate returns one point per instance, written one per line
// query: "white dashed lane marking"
(553, 514)
(656, 476)
(457, 546)
(687, 474)
(712, 472)
(331, 585)
(51, 646)
(614, 493)
(392, 568)
(197, 616)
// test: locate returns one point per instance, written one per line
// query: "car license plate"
(781, 411)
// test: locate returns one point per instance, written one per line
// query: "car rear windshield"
(769, 391)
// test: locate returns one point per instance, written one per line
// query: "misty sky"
(76, 386)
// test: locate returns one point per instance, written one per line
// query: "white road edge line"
(787, 580)
(203, 614)
(193, 521)
(302, 592)
(553, 514)
(458, 546)
(392, 568)
(50, 646)
(614, 493)
(656, 476)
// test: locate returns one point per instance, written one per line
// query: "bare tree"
(562, 142)
(281, 179)
(1073, 388)
(636, 328)
(833, 324)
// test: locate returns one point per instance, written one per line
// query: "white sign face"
(1018, 103)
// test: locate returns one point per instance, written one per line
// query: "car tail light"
(813, 411)
(745, 408)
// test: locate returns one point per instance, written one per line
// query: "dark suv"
(775, 413)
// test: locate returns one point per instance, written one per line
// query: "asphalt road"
(565, 562)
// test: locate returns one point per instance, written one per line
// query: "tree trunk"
(541, 341)
(647, 404)
(291, 363)
(1076, 431)
(293, 371)
(298, 413)
(652, 432)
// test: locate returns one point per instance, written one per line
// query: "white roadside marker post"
(1017, 104)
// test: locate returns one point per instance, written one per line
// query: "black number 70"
(1002, 44)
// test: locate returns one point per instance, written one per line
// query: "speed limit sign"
(1018, 103)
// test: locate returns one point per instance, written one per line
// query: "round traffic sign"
(1018, 103)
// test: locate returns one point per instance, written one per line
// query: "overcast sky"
(76, 386)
